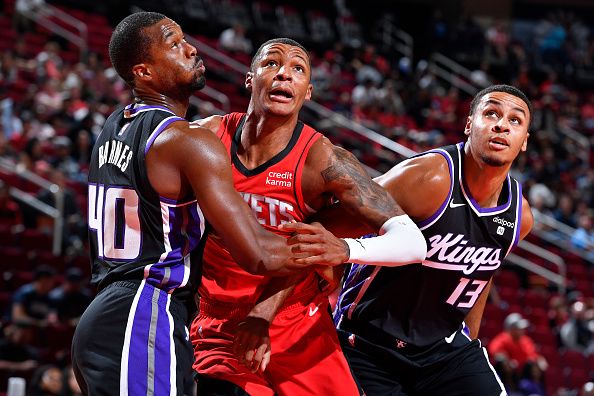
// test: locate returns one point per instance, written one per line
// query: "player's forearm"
(400, 243)
(336, 219)
(273, 297)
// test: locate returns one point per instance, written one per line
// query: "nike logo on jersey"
(450, 338)
(313, 310)
(455, 205)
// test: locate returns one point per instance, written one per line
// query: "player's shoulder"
(431, 169)
(183, 137)
(324, 149)
(212, 123)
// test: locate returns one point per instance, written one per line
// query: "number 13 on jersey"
(113, 215)
(467, 292)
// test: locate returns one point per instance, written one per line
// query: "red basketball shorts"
(306, 355)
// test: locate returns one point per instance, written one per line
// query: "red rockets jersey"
(273, 191)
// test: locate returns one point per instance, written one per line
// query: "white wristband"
(400, 242)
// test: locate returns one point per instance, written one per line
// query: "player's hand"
(251, 345)
(315, 245)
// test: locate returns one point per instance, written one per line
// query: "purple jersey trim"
(444, 204)
(160, 128)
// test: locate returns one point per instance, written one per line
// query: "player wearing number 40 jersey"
(410, 329)
(154, 185)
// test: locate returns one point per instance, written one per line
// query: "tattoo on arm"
(349, 182)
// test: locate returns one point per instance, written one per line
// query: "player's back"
(134, 233)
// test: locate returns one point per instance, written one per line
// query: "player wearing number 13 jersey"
(155, 183)
(412, 329)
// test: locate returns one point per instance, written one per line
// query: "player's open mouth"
(281, 95)
(200, 66)
(498, 143)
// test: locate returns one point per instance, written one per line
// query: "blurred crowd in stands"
(52, 107)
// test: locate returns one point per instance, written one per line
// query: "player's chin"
(494, 160)
(281, 109)
(199, 83)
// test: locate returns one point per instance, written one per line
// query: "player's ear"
(248, 80)
(468, 126)
(309, 92)
(525, 144)
(141, 71)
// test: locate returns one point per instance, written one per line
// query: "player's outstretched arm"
(198, 159)
(338, 173)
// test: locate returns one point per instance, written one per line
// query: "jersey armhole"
(159, 129)
(442, 208)
(298, 186)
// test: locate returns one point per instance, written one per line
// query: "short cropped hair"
(128, 45)
(281, 40)
(501, 88)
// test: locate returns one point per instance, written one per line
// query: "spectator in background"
(63, 161)
(31, 302)
(71, 298)
(74, 225)
(565, 211)
(234, 39)
(531, 382)
(49, 100)
(587, 389)
(22, 11)
(47, 381)
(16, 356)
(512, 349)
(576, 333)
(583, 237)
(49, 62)
(587, 114)
(364, 94)
(498, 40)
(71, 387)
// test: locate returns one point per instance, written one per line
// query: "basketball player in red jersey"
(285, 171)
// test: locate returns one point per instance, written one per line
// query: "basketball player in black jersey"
(154, 185)
(412, 330)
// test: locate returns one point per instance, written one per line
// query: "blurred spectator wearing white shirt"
(233, 39)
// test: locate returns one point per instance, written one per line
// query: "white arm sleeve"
(400, 242)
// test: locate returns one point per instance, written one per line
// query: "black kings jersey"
(419, 304)
(134, 233)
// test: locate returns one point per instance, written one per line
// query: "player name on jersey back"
(116, 153)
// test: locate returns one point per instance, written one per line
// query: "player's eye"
(270, 63)
(300, 69)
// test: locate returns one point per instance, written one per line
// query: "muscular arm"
(527, 219)
(333, 171)
(184, 159)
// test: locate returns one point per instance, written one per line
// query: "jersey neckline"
(478, 209)
(272, 161)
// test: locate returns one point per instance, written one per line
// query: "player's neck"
(484, 182)
(177, 105)
(264, 136)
